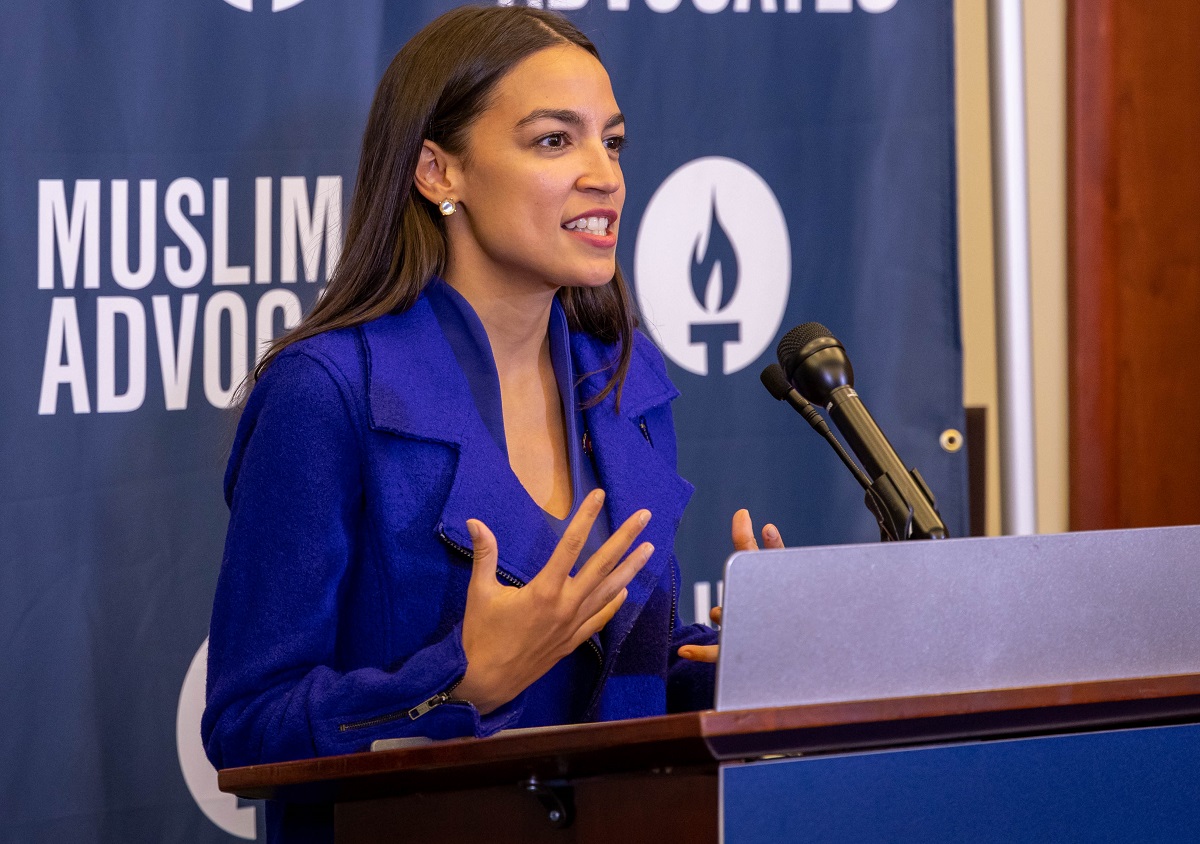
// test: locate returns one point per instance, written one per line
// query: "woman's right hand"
(743, 540)
(512, 636)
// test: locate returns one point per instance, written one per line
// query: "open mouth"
(590, 225)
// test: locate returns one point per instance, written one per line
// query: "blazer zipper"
(513, 580)
(674, 605)
(412, 714)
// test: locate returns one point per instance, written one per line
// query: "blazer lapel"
(633, 473)
(416, 389)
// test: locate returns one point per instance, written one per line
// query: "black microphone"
(777, 385)
(817, 365)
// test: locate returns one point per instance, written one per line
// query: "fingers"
(601, 594)
(596, 622)
(484, 555)
(771, 537)
(715, 615)
(609, 555)
(700, 653)
(574, 537)
(743, 532)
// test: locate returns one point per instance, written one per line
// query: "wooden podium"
(672, 778)
(848, 708)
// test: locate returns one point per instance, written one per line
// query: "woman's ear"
(436, 175)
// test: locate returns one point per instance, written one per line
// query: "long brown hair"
(434, 88)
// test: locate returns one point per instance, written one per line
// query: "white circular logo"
(199, 774)
(712, 266)
(276, 5)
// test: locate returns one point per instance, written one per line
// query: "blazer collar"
(646, 386)
(416, 389)
(414, 385)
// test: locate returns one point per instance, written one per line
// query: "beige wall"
(1045, 79)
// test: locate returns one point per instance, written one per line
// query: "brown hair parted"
(434, 88)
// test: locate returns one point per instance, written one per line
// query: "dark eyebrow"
(565, 115)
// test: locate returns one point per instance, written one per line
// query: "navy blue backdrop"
(174, 181)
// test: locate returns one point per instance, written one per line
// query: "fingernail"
(473, 529)
(649, 550)
(770, 531)
(644, 517)
(598, 496)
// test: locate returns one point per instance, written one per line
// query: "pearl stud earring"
(447, 207)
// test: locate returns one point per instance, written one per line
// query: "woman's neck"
(516, 321)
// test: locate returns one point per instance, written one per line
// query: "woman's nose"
(602, 171)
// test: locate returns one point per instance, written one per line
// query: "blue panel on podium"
(1126, 785)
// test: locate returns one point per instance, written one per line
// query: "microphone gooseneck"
(815, 363)
(777, 385)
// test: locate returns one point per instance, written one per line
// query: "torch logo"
(712, 266)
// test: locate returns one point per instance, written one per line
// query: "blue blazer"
(357, 461)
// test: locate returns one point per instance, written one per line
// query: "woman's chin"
(592, 278)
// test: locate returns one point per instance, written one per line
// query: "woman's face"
(540, 184)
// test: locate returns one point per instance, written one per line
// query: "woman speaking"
(453, 490)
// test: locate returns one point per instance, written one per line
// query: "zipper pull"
(433, 703)
(645, 430)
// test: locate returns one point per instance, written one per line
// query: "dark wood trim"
(977, 480)
(659, 807)
(993, 714)
(580, 749)
(1092, 265)
(1134, 262)
(697, 741)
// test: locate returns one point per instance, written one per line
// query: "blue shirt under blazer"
(358, 459)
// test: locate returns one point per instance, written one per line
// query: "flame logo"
(715, 272)
(713, 266)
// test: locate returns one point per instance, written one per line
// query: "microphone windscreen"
(798, 338)
(775, 381)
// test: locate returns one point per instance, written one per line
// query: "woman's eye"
(555, 140)
(615, 143)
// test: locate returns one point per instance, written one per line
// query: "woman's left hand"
(743, 540)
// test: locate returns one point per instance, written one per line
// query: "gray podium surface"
(863, 622)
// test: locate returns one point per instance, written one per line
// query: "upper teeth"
(595, 225)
